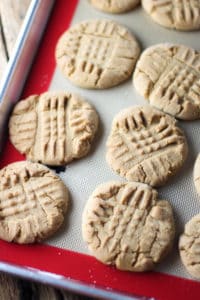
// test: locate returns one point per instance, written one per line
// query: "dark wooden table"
(12, 288)
(12, 13)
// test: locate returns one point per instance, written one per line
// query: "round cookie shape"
(197, 174)
(53, 128)
(97, 54)
(189, 246)
(33, 201)
(145, 145)
(168, 76)
(124, 224)
(115, 6)
(175, 14)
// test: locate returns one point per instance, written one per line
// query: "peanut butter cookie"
(97, 54)
(145, 145)
(33, 201)
(124, 224)
(53, 128)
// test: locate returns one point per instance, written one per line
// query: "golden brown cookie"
(33, 201)
(97, 54)
(145, 145)
(189, 246)
(115, 6)
(168, 76)
(176, 14)
(53, 128)
(197, 174)
(124, 224)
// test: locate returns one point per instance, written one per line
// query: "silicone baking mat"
(66, 254)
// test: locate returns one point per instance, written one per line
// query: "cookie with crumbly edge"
(189, 246)
(168, 76)
(126, 225)
(33, 202)
(97, 54)
(115, 6)
(53, 128)
(197, 174)
(175, 14)
(146, 145)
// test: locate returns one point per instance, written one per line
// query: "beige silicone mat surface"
(84, 175)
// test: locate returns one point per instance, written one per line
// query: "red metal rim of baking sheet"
(67, 263)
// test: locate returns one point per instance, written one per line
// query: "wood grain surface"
(12, 13)
(12, 288)
(3, 56)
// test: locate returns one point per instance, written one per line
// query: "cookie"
(168, 76)
(53, 128)
(33, 201)
(145, 145)
(115, 6)
(189, 246)
(176, 14)
(97, 54)
(124, 224)
(197, 174)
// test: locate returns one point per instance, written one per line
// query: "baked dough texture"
(197, 174)
(124, 224)
(97, 54)
(53, 128)
(168, 76)
(33, 201)
(189, 246)
(176, 14)
(145, 145)
(115, 6)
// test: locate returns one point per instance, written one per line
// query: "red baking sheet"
(67, 263)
